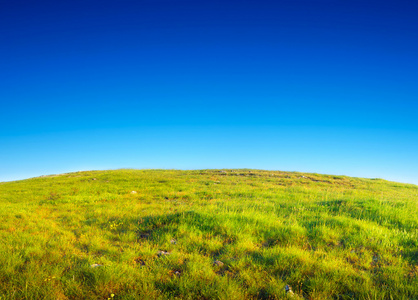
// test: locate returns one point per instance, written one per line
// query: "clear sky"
(317, 86)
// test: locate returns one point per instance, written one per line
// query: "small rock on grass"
(218, 263)
(173, 241)
(134, 192)
(175, 272)
(290, 294)
(96, 266)
(163, 253)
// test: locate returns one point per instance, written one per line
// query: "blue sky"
(317, 86)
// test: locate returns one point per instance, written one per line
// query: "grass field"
(207, 234)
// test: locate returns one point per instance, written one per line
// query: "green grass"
(328, 237)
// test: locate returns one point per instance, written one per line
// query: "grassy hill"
(208, 234)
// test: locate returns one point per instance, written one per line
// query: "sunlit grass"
(159, 234)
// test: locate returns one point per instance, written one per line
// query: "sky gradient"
(317, 86)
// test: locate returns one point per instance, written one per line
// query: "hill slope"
(208, 234)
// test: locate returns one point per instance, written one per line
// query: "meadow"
(207, 234)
